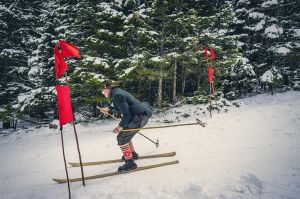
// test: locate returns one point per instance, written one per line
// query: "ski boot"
(129, 165)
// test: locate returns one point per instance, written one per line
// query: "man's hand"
(117, 130)
(104, 110)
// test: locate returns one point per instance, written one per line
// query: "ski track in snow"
(250, 152)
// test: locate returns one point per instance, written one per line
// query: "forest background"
(154, 49)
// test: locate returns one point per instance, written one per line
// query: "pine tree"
(17, 21)
(267, 30)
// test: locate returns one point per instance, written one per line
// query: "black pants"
(137, 121)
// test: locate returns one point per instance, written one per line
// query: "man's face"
(106, 92)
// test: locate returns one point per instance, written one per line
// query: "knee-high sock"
(126, 151)
(131, 146)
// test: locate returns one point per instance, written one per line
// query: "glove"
(118, 129)
(104, 110)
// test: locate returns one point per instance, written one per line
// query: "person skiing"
(134, 115)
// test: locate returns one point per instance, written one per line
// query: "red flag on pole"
(59, 62)
(212, 53)
(210, 72)
(206, 54)
(68, 49)
(64, 104)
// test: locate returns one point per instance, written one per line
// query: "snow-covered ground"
(249, 152)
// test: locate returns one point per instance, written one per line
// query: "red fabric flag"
(206, 54)
(212, 53)
(68, 49)
(210, 72)
(59, 62)
(64, 104)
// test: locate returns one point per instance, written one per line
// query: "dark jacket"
(128, 106)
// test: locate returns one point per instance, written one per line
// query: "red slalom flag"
(212, 52)
(210, 72)
(206, 54)
(68, 49)
(59, 62)
(64, 104)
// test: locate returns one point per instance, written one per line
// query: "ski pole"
(157, 141)
(167, 126)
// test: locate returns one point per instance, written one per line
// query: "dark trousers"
(137, 121)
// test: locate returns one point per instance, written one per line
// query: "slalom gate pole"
(210, 106)
(79, 155)
(77, 143)
(157, 141)
(215, 97)
(63, 149)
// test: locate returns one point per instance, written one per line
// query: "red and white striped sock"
(127, 153)
(131, 146)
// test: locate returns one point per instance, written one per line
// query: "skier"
(134, 115)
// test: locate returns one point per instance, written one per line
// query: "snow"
(11, 52)
(62, 28)
(96, 61)
(273, 31)
(32, 59)
(3, 24)
(269, 3)
(5, 9)
(157, 59)
(119, 2)
(270, 75)
(97, 76)
(121, 34)
(249, 152)
(283, 50)
(240, 44)
(297, 32)
(21, 69)
(257, 27)
(267, 77)
(173, 54)
(128, 70)
(257, 15)
(107, 9)
(237, 21)
(243, 60)
(34, 70)
(240, 10)
(105, 31)
(241, 2)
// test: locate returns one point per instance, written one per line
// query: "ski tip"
(72, 164)
(60, 181)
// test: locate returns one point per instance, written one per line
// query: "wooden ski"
(77, 164)
(117, 173)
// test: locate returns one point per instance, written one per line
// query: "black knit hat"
(110, 83)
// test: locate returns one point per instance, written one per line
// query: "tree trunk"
(140, 89)
(6, 125)
(183, 81)
(175, 81)
(149, 92)
(160, 81)
(95, 110)
(199, 76)
(160, 86)
(15, 122)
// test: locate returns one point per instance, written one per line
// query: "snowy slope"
(249, 152)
